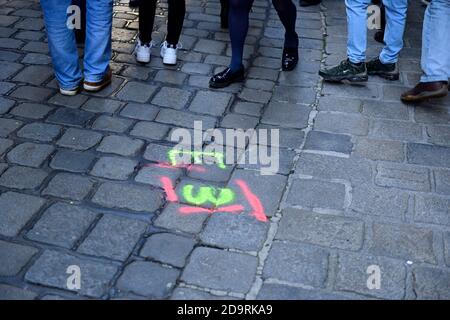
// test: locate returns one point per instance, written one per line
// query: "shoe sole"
(387, 76)
(96, 88)
(69, 93)
(425, 96)
(224, 85)
(340, 79)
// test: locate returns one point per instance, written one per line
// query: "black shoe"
(346, 70)
(133, 4)
(289, 59)
(307, 3)
(387, 71)
(226, 77)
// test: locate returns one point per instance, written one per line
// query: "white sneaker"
(143, 51)
(169, 53)
(69, 92)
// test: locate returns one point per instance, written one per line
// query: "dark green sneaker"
(345, 71)
(388, 71)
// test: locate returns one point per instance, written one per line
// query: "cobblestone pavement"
(364, 179)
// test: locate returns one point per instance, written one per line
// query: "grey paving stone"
(300, 95)
(18, 177)
(30, 154)
(254, 95)
(375, 149)
(348, 105)
(79, 139)
(212, 173)
(403, 176)
(209, 46)
(30, 24)
(210, 268)
(102, 105)
(31, 93)
(170, 77)
(371, 91)
(192, 294)
(113, 124)
(168, 248)
(136, 72)
(34, 74)
(136, 91)
(123, 196)
(184, 119)
(382, 109)
(148, 279)
(69, 186)
(8, 69)
(14, 257)
(239, 121)
(17, 209)
(423, 114)
(439, 135)
(272, 291)
(150, 130)
(323, 141)
(302, 264)
(396, 130)
(172, 219)
(36, 46)
(354, 124)
(431, 283)
(8, 20)
(403, 242)
(73, 102)
(114, 168)
(447, 247)
(353, 273)
(428, 155)
(72, 161)
(140, 111)
(36, 58)
(50, 270)
(376, 201)
(442, 178)
(321, 229)
(7, 126)
(432, 209)
(172, 98)
(72, 117)
(5, 87)
(236, 231)
(286, 115)
(5, 105)
(157, 152)
(123, 146)
(113, 237)
(309, 194)
(196, 68)
(268, 189)
(62, 224)
(39, 131)
(8, 292)
(210, 102)
(5, 144)
(152, 174)
(248, 108)
(31, 110)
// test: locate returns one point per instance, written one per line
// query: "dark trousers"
(175, 19)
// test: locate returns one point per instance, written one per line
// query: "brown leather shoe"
(425, 90)
(97, 86)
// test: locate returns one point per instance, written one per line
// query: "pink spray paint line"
(230, 209)
(189, 167)
(253, 200)
(169, 189)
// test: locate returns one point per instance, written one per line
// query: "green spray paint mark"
(204, 195)
(197, 157)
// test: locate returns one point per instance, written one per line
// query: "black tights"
(175, 19)
(238, 24)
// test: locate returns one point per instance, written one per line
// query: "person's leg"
(224, 13)
(287, 12)
(97, 53)
(357, 29)
(147, 10)
(61, 42)
(435, 60)
(395, 27)
(175, 19)
(238, 24)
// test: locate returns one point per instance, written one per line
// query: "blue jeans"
(436, 42)
(63, 47)
(357, 29)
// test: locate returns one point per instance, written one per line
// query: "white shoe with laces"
(169, 53)
(143, 51)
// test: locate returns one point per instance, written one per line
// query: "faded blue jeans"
(357, 29)
(436, 42)
(63, 47)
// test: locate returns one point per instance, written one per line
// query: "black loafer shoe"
(226, 77)
(289, 59)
